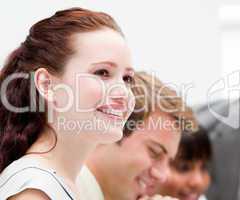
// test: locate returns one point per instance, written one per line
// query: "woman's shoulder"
(18, 166)
(30, 194)
(26, 174)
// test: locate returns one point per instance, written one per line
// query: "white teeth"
(113, 112)
(142, 184)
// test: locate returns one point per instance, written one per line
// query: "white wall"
(179, 39)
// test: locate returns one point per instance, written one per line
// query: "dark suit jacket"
(225, 168)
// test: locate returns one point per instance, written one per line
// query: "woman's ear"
(44, 83)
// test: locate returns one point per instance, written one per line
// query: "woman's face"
(187, 180)
(94, 94)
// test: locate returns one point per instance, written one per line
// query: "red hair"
(47, 45)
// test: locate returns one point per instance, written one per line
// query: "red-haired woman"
(65, 90)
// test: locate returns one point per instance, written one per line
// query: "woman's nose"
(118, 90)
(119, 93)
(196, 180)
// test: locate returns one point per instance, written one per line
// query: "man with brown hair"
(130, 169)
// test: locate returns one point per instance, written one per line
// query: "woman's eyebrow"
(113, 64)
(109, 63)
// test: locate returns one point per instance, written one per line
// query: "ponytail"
(18, 130)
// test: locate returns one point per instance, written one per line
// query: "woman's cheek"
(207, 181)
(174, 182)
(91, 92)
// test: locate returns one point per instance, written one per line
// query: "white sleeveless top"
(26, 173)
(88, 185)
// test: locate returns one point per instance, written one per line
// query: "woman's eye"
(182, 167)
(102, 72)
(128, 79)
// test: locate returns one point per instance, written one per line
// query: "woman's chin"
(110, 136)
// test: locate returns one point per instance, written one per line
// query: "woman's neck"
(67, 156)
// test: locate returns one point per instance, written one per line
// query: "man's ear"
(44, 83)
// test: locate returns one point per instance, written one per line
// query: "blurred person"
(65, 66)
(189, 176)
(129, 169)
(225, 139)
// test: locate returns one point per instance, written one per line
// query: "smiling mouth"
(142, 184)
(144, 187)
(112, 113)
(189, 196)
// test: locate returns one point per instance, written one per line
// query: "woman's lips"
(111, 113)
(189, 196)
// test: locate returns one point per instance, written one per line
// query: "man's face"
(132, 168)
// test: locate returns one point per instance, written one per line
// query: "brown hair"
(47, 45)
(151, 95)
(194, 147)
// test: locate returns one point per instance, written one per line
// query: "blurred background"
(191, 44)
